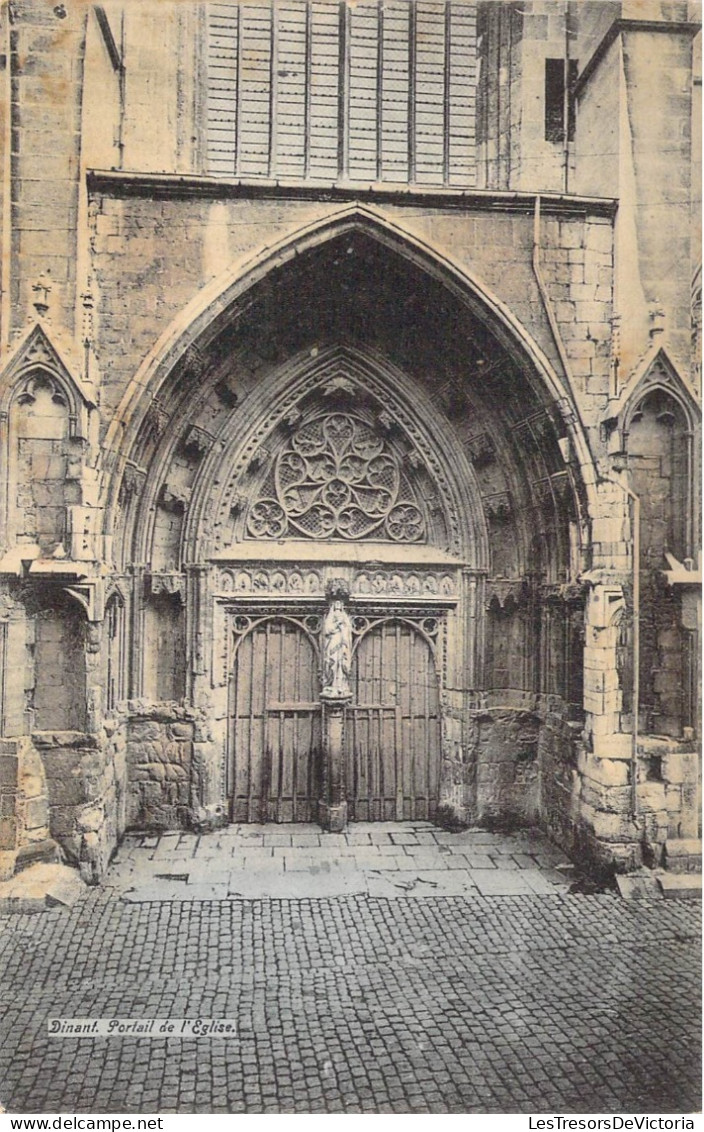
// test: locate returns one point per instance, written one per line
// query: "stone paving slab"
(364, 859)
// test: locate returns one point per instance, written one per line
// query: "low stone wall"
(159, 753)
(24, 802)
(505, 746)
(560, 780)
(85, 782)
(668, 794)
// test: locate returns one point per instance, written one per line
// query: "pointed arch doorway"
(346, 493)
(455, 494)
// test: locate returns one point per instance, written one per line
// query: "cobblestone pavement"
(347, 999)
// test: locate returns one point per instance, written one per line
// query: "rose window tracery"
(336, 478)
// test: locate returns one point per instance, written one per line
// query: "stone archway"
(475, 498)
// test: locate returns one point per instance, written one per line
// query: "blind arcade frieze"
(271, 581)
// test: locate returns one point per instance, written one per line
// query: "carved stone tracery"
(336, 478)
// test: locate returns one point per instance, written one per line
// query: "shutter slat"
(300, 136)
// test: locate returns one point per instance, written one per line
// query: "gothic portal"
(357, 542)
(349, 422)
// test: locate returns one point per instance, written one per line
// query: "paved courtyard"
(396, 968)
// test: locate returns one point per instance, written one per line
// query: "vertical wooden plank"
(399, 668)
(254, 88)
(308, 89)
(222, 102)
(462, 100)
(447, 94)
(324, 81)
(394, 90)
(291, 102)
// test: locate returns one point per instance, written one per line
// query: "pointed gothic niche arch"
(658, 419)
(44, 420)
(339, 446)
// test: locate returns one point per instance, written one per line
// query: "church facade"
(349, 420)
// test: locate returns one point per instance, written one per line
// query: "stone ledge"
(37, 852)
(683, 855)
(681, 886)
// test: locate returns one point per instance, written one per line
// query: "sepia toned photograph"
(350, 615)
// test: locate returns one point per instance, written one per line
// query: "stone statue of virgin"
(337, 651)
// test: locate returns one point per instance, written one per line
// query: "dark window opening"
(555, 99)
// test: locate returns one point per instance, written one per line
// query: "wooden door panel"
(276, 741)
(393, 727)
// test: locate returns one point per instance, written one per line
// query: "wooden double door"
(392, 724)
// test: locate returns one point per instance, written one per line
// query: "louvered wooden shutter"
(371, 91)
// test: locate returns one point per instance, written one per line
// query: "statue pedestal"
(332, 808)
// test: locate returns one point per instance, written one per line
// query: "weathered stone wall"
(85, 777)
(24, 804)
(152, 256)
(506, 766)
(560, 780)
(159, 749)
(47, 46)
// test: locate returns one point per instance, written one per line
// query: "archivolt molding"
(199, 321)
(276, 403)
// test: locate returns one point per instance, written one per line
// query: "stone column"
(333, 804)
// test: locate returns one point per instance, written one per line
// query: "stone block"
(610, 826)
(609, 799)
(651, 797)
(604, 724)
(9, 770)
(681, 886)
(45, 852)
(678, 767)
(592, 312)
(599, 238)
(32, 785)
(602, 771)
(144, 730)
(7, 864)
(601, 680)
(62, 821)
(90, 820)
(36, 813)
(8, 833)
(180, 730)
